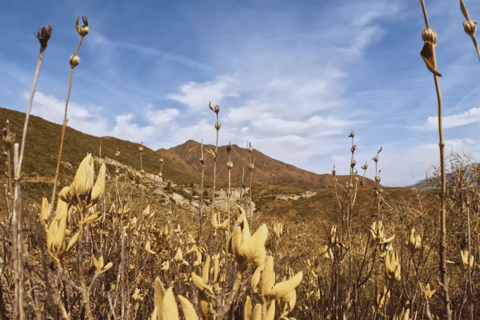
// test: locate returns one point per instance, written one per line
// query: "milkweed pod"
(66, 195)
(199, 259)
(155, 314)
(72, 241)
(268, 278)
(464, 254)
(257, 312)
(188, 309)
(159, 295)
(98, 263)
(247, 311)
(256, 278)
(165, 266)
(179, 255)
(45, 209)
(99, 187)
(253, 249)
(200, 283)
(426, 289)
(224, 225)
(169, 306)
(271, 312)
(83, 182)
(108, 266)
(206, 269)
(56, 233)
(148, 248)
(283, 290)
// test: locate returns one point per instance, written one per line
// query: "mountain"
(267, 171)
(43, 143)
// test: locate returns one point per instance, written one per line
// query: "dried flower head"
(428, 35)
(352, 134)
(161, 160)
(74, 60)
(43, 36)
(229, 147)
(215, 109)
(218, 125)
(82, 30)
(229, 165)
(250, 149)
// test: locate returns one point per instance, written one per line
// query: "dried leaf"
(427, 55)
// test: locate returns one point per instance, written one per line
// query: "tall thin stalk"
(18, 313)
(200, 206)
(218, 125)
(250, 167)
(229, 166)
(74, 61)
(428, 54)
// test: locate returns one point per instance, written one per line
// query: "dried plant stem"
(443, 225)
(476, 45)
(27, 116)
(443, 216)
(228, 198)
(18, 312)
(470, 285)
(200, 205)
(59, 160)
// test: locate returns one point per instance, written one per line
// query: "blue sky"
(293, 78)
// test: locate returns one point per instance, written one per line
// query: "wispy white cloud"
(456, 120)
(99, 39)
(196, 96)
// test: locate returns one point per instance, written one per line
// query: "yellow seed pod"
(253, 249)
(268, 277)
(284, 291)
(179, 255)
(66, 195)
(200, 283)
(159, 294)
(247, 311)
(99, 187)
(165, 266)
(72, 241)
(60, 226)
(169, 306)
(426, 289)
(108, 266)
(199, 259)
(206, 269)
(257, 312)
(188, 309)
(271, 312)
(256, 278)
(464, 254)
(83, 182)
(149, 249)
(45, 212)
(98, 263)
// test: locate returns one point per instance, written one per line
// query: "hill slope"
(266, 171)
(43, 143)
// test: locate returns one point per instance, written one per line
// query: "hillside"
(267, 171)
